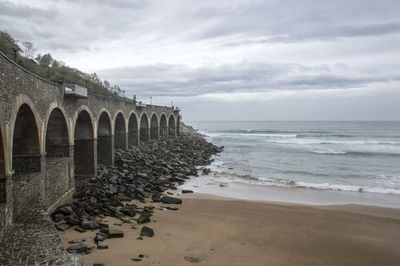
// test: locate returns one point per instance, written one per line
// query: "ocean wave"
(353, 188)
(320, 186)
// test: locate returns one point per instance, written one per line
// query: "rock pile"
(141, 173)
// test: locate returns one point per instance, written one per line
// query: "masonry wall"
(58, 172)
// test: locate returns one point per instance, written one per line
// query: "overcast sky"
(229, 59)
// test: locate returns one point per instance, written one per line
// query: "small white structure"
(140, 105)
(75, 91)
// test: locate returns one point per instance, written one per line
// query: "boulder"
(78, 249)
(146, 231)
(170, 200)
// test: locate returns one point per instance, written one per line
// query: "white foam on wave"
(327, 186)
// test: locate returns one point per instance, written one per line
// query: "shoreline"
(212, 184)
(225, 231)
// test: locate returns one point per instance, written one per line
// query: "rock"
(98, 264)
(185, 191)
(64, 209)
(80, 229)
(146, 231)
(128, 210)
(192, 259)
(99, 238)
(78, 249)
(144, 218)
(115, 233)
(156, 197)
(170, 200)
(63, 227)
(72, 220)
(136, 259)
(102, 246)
(89, 225)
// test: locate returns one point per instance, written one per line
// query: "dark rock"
(185, 191)
(146, 231)
(144, 218)
(192, 259)
(128, 210)
(78, 248)
(64, 209)
(80, 229)
(63, 227)
(170, 200)
(136, 259)
(89, 225)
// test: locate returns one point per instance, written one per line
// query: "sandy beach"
(222, 231)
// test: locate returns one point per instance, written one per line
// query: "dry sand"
(222, 231)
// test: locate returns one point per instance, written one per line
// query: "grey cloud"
(10, 9)
(180, 80)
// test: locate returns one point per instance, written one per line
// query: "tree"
(9, 46)
(29, 49)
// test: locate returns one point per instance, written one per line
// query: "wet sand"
(222, 231)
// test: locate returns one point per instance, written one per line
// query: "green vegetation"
(47, 67)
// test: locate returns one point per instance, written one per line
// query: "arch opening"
(120, 132)
(84, 145)
(154, 127)
(104, 140)
(57, 140)
(58, 175)
(163, 126)
(171, 126)
(144, 128)
(26, 147)
(3, 180)
(133, 130)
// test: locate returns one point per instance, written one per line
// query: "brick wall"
(57, 179)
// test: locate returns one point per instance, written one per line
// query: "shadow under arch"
(171, 125)
(104, 139)
(163, 125)
(84, 145)
(144, 128)
(154, 126)
(120, 131)
(133, 136)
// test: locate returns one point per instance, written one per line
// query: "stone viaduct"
(49, 138)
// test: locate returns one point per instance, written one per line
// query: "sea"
(356, 156)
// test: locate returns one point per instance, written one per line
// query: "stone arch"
(144, 128)
(171, 125)
(104, 139)
(57, 134)
(120, 131)
(75, 120)
(154, 126)
(22, 99)
(26, 142)
(133, 130)
(163, 125)
(84, 148)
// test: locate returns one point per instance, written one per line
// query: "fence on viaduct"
(48, 138)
